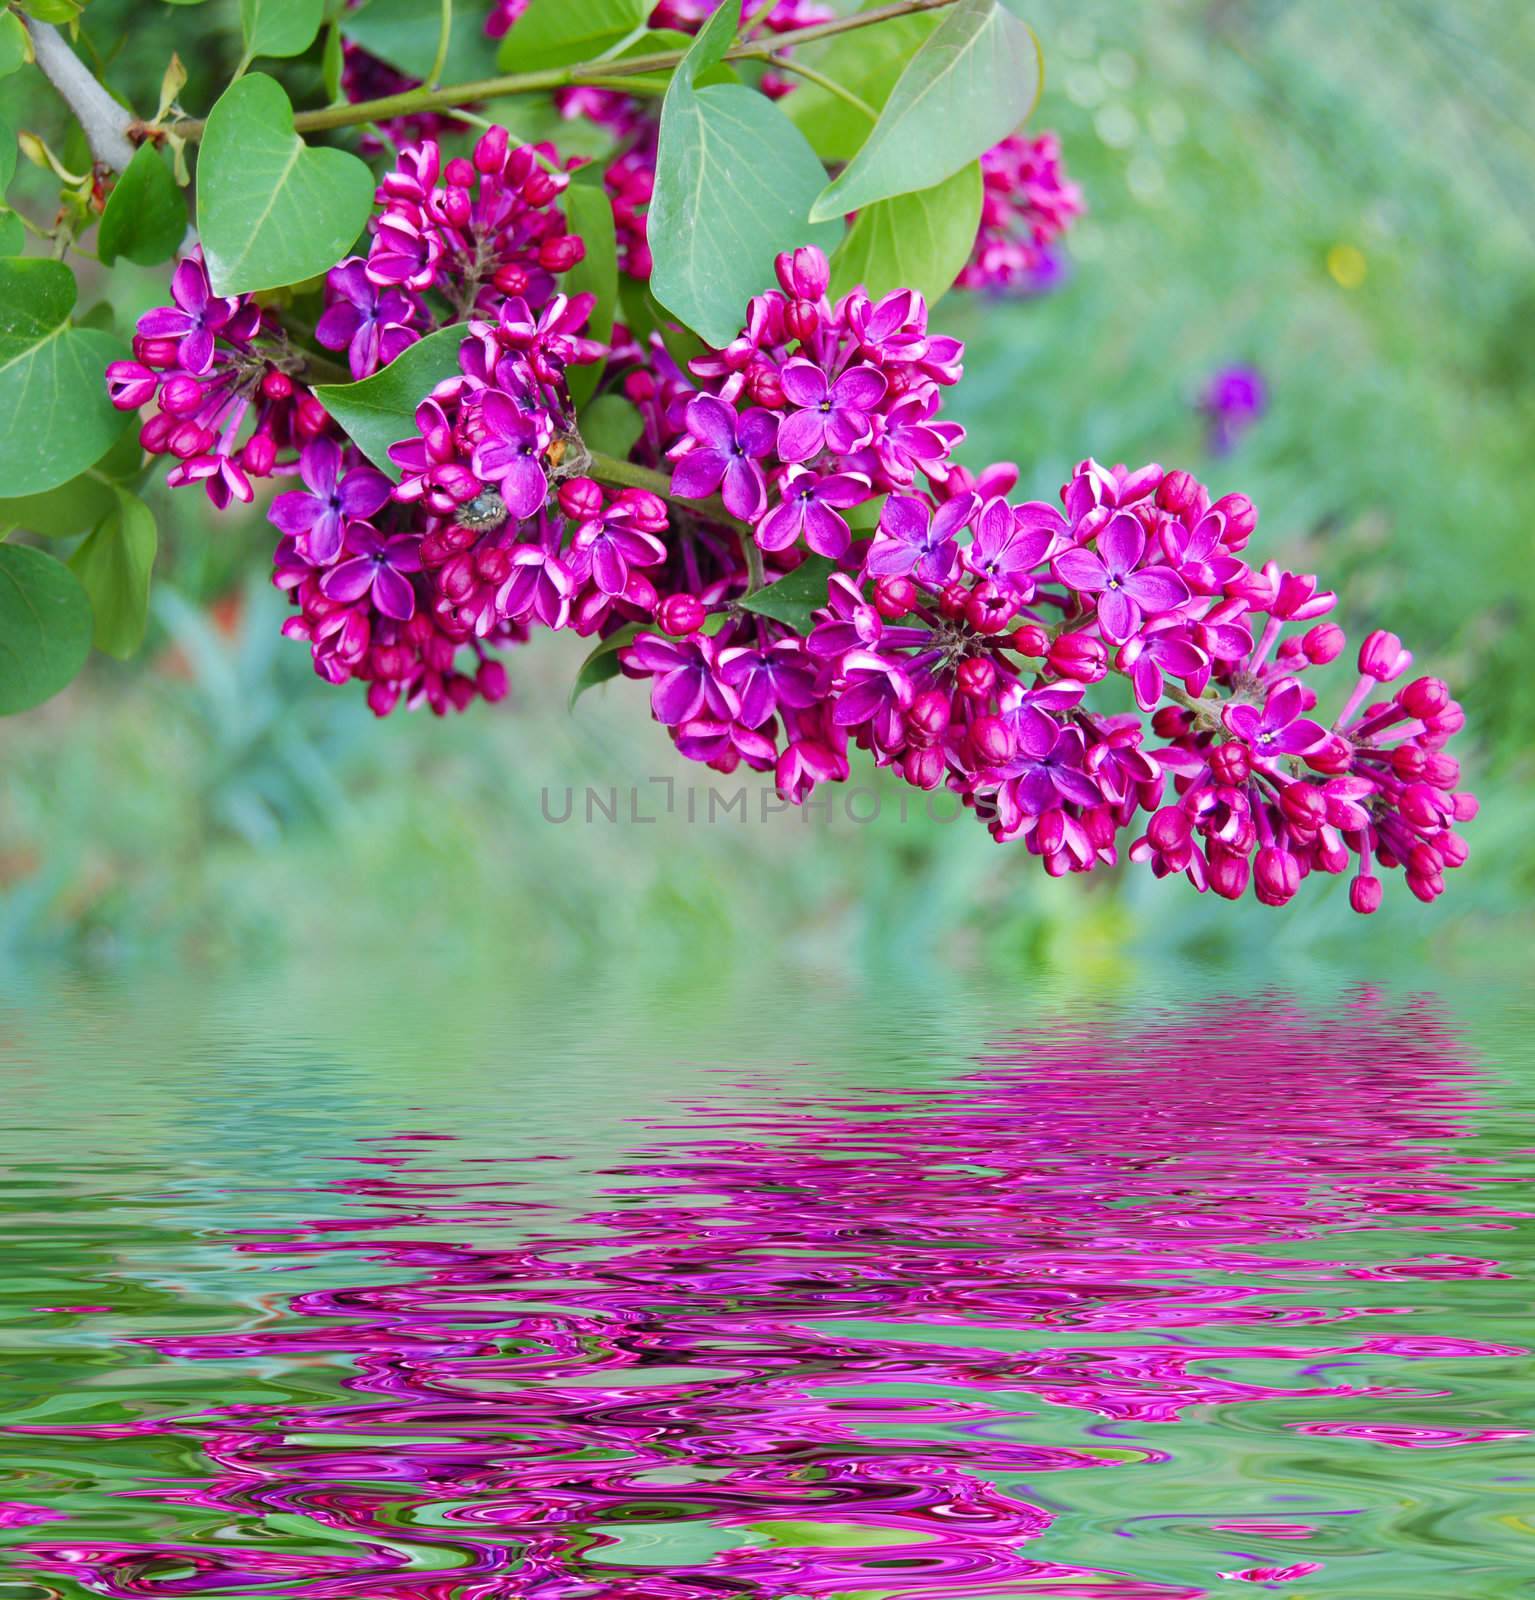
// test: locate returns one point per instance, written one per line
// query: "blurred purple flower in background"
(1232, 401)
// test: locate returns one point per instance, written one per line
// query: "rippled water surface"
(985, 1296)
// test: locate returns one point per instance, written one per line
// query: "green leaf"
(404, 34)
(15, 46)
(82, 502)
(55, 418)
(917, 241)
(868, 62)
(969, 86)
(381, 410)
(602, 663)
(795, 595)
(45, 627)
(113, 566)
(332, 62)
(146, 214)
(9, 150)
(612, 425)
(589, 212)
(553, 33)
(55, 11)
(280, 27)
(13, 236)
(734, 183)
(272, 211)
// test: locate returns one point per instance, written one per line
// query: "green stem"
(444, 32)
(585, 72)
(830, 85)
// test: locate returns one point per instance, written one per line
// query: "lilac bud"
(561, 254)
(130, 385)
(181, 394)
(1180, 493)
(489, 151)
(491, 681)
(680, 615)
(1276, 875)
(1304, 805)
(804, 273)
(1382, 657)
(1169, 829)
(929, 713)
(1364, 894)
(1323, 643)
(991, 740)
(580, 499)
(1423, 697)
(1229, 873)
(977, 677)
(1241, 518)
(923, 769)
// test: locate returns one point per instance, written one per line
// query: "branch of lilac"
(584, 72)
(108, 126)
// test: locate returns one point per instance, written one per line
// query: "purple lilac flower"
(1047, 769)
(196, 317)
(510, 453)
(1008, 547)
(378, 568)
(766, 678)
(1124, 594)
(810, 506)
(315, 521)
(687, 685)
(914, 541)
(727, 447)
(368, 322)
(1279, 729)
(835, 416)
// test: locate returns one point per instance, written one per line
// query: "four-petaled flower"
(1279, 729)
(378, 566)
(836, 416)
(316, 521)
(810, 505)
(686, 684)
(916, 542)
(1124, 594)
(726, 448)
(510, 454)
(1047, 770)
(1008, 545)
(193, 321)
(370, 323)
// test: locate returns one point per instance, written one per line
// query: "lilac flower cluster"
(961, 631)
(224, 378)
(1027, 204)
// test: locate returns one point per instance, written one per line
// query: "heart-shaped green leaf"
(45, 627)
(113, 566)
(969, 86)
(795, 595)
(55, 418)
(381, 410)
(271, 210)
(734, 183)
(280, 27)
(916, 241)
(553, 33)
(145, 216)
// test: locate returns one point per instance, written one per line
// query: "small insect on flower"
(486, 512)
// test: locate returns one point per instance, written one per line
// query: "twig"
(584, 72)
(444, 33)
(105, 122)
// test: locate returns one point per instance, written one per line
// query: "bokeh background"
(1339, 196)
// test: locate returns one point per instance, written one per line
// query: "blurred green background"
(1340, 195)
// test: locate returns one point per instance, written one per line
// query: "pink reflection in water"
(812, 1331)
